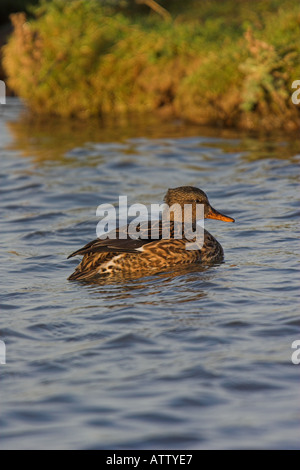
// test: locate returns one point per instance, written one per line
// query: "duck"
(146, 253)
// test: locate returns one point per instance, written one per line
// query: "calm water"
(186, 359)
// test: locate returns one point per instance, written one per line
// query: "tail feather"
(89, 266)
(79, 275)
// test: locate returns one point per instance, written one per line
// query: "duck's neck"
(183, 215)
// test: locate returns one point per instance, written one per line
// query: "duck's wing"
(110, 246)
(122, 242)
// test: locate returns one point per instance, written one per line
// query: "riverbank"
(5, 31)
(228, 64)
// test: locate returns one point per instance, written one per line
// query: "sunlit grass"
(228, 63)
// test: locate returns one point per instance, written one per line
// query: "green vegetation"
(214, 62)
(11, 6)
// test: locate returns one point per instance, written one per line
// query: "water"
(187, 359)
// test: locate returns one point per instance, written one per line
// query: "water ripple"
(188, 358)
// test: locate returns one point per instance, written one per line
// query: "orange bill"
(213, 214)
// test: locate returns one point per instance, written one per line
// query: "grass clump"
(228, 63)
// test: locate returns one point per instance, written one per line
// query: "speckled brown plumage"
(145, 255)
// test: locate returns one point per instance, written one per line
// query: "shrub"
(229, 63)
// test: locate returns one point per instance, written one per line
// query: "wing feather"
(121, 245)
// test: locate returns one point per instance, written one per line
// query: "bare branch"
(157, 8)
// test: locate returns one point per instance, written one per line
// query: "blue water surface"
(190, 358)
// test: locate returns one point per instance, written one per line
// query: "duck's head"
(193, 196)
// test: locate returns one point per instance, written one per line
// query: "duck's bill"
(213, 214)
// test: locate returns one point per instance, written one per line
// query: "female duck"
(144, 254)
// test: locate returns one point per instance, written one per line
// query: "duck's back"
(108, 257)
